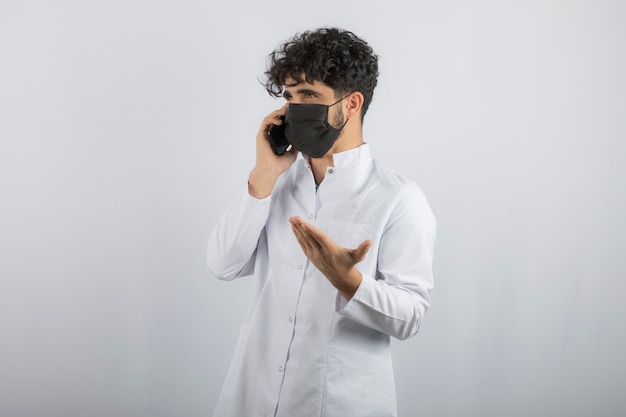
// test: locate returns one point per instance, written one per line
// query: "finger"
(276, 120)
(316, 235)
(280, 112)
(273, 119)
(303, 228)
(359, 253)
(296, 219)
(310, 240)
(302, 241)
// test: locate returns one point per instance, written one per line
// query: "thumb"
(359, 253)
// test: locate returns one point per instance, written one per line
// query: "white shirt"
(303, 349)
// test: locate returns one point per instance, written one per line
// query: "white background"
(127, 127)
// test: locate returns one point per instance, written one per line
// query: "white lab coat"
(303, 349)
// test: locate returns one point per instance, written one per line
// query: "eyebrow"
(303, 91)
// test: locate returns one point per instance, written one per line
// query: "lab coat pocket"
(358, 384)
(349, 235)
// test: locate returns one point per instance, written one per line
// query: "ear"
(354, 103)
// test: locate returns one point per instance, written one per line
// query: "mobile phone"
(277, 138)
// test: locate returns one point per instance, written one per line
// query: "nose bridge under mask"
(299, 112)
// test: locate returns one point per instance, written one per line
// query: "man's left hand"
(335, 262)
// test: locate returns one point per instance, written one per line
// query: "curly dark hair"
(334, 56)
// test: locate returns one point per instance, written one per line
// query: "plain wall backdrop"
(127, 127)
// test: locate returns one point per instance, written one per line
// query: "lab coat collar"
(346, 159)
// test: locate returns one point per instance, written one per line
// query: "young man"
(339, 249)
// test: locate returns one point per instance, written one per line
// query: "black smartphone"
(278, 140)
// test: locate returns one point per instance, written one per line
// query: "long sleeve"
(395, 301)
(300, 353)
(233, 241)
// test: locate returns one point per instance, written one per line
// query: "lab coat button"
(310, 217)
(299, 266)
(331, 171)
(290, 319)
(280, 369)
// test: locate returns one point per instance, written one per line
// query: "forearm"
(261, 182)
(395, 311)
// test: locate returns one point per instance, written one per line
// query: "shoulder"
(396, 184)
(403, 195)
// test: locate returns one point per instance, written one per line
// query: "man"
(339, 248)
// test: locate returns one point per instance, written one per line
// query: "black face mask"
(308, 130)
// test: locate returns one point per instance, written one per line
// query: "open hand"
(335, 262)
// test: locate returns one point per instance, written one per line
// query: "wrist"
(352, 283)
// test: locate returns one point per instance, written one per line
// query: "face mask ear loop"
(339, 101)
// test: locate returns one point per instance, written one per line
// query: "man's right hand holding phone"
(268, 166)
